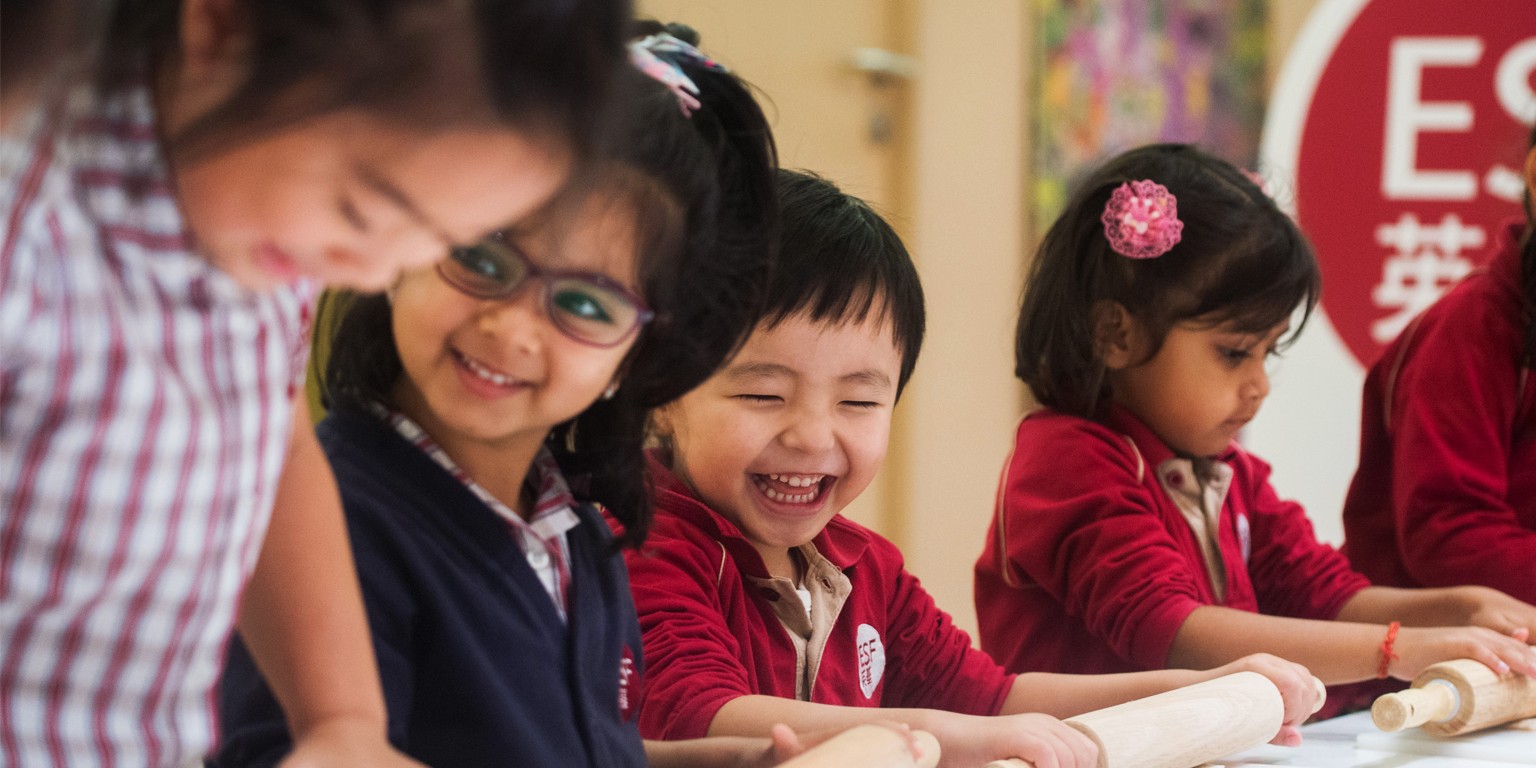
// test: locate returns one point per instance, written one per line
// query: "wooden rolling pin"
(1186, 726)
(1456, 697)
(868, 746)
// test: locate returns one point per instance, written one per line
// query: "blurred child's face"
(350, 200)
(498, 373)
(1200, 388)
(347, 197)
(790, 431)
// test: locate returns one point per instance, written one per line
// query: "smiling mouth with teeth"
(482, 372)
(791, 489)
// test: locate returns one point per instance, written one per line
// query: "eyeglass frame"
(643, 315)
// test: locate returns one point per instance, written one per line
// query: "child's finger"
(1302, 700)
(1511, 653)
(1084, 750)
(1522, 659)
(1299, 691)
(1044, 748)
(1071, 748)
(786, 743)
(1503, 655)
(1289, 736)
(1490, 659)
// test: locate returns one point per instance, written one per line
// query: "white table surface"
(1331, 744)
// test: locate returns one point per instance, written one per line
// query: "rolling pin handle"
(1438, 700)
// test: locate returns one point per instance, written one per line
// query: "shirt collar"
(1153, 450)
(553, 510)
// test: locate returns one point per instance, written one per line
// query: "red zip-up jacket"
(1090, 566)
(1445, 493)
(710, 635)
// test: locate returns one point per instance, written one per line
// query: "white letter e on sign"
(1408, 116)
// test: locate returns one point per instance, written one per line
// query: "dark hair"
(1241, 262)
(537, 65)
(715, 170)
(1528, 268)
(36, 34)
(839, 261)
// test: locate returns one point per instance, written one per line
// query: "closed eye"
(754, 398)
(1233, 355)
(347, 207)
(864, 404)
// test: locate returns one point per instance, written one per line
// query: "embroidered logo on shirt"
(626, 678)
(1244, 537)
(871, 659)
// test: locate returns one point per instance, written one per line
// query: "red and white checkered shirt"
(542, 535)
(145, 409)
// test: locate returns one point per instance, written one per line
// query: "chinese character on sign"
(1425, 261)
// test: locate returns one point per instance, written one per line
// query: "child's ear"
(661, 422)
(213, 36)
(1114, 334)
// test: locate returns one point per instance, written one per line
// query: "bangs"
(840, 263)
(1261, 282)
(834, 304)
(641, 202)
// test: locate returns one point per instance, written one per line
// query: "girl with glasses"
(485, 409)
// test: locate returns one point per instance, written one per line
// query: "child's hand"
(1419, 647)
(788, 744)
(1297, 690)
(1041, 740)
(345, 745)
(1497, 611)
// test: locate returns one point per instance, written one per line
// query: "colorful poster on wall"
(1114, 74)
(1402, 125)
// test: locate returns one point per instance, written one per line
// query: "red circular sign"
(1410, 155)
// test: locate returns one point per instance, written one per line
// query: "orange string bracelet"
(1387, 656)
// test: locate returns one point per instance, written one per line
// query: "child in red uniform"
(1446, 489)
(758, 603)
(1132, 532)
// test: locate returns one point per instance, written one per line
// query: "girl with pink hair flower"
(1132, 532)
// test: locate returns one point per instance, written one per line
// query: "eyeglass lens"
(584, 308)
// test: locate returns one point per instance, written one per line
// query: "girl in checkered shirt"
(167, 209)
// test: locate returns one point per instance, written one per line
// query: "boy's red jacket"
(710, 636)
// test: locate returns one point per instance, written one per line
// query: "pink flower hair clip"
(1141, 220)
(657, 56)
(667, 74)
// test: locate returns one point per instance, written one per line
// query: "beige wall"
(968, 160)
